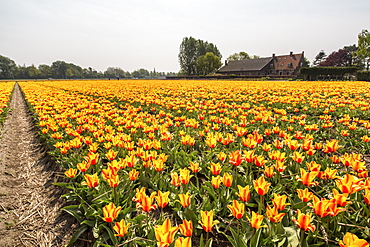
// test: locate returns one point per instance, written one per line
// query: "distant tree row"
(349, 56)
(63, 70)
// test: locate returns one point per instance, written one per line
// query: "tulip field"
(5, 93)
(210, 163)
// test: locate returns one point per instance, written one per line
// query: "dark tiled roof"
(246, 65)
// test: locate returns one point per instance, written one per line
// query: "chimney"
(273, 55)
(291, 53)
(225, 62)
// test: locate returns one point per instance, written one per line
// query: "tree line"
(63, 70)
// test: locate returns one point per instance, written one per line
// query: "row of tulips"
(6, 89)
(182, 163)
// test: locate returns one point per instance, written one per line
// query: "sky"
(134, 34)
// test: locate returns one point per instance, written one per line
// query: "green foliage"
(313, 72)
(7, 68)
(208, 63)
(190, 51)
(363, 50)
(363, 75)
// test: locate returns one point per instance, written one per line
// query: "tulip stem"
(261, 205)
(301, 237)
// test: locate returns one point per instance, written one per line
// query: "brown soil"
(30, 205)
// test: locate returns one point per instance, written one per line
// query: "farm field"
(210, 163)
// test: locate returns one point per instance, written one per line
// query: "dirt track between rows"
(29, 204)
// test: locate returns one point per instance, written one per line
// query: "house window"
(282, 64)
(301, 64)
(290, 65)
(271, 65)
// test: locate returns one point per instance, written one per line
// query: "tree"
(59, 69)
(45, 71)
(8, 68)
(238, 56)
(363, 50)
(320, 57)
(208, 63)
(190, 50)
(345, 57)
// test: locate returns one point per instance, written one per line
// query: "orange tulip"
(351, 240)
(235, 158)
(140, 194)
(215, 168)
(261, 186)
(91, 180)
(280, 201)
(186, 228)
(331, 146)
(269, 171)
(216, 182)
(298, 157)
(259, 160)
(244, 193)
(227, 179)
(256, 220)
(207, 221)
(367, 196)
(237, 209)
(71, 173)
(175, 179)
(279, 166)
(341, 199)
(147, 203)
(273, 214)
(185, 199)
(304, 195)
(92, 158)
(183, 242)
(165, 233)
(303, 221)
(162, 198)
(194, 167)
(185, 176)
(349, 184)
(133, 174)
(83, 166)
(110, 212)
(121, 228)
(307, 177)
(113, 181)
(249, 156)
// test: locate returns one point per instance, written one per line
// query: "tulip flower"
(235, 158)
(83, 166)
(341, 199)
(71, 173)
(249, 156)
(162, 198)
(140, 194)
(186, 228)
(215, 168)
(280, 166)
(133, 175)
(185, 176)
(298, 157)
(237, 209)
(207, 221)
(147, 203)
(216, 182)
(175, 179)
(367, 196)
(261, 185)
(256, 220)
(331, 146)
(194, 167)
(244, 193)
(303, 221)
(304, 195)
(121, 228)
(349, 184)
(110, 212)
(227, 179)
(165, 233)
(113, 181)
(273, 214)
(351, 240)
(183, 242)
(91, 180)
(269, 171)
(259, 160)
(280, 201)
(307, 177)
(185, 199)
(92, 158)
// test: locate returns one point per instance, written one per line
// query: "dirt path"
(29, 204)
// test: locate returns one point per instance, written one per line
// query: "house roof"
(287, 61)
(246, 65)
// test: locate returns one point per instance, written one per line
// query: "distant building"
(285, 65)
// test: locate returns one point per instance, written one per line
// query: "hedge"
(363, 75)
